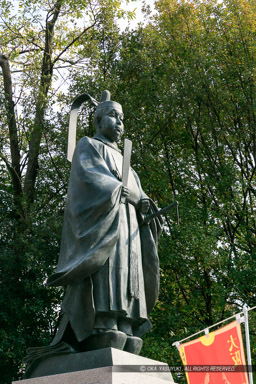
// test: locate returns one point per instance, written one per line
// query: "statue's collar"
(104, 140)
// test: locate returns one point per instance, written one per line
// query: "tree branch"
(73, 42)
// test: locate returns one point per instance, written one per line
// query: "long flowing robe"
(107, 261)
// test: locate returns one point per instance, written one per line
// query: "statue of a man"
(108, 262)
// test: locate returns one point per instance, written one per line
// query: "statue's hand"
(144, 205)
(125, 191)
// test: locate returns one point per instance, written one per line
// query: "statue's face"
(111, 125)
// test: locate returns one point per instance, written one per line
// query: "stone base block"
(97, 376)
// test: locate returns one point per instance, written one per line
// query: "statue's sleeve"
(91, 220)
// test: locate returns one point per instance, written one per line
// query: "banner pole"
(248, 346)
(214, 325)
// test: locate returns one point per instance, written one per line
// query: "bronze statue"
(108, 259)
(108, 262)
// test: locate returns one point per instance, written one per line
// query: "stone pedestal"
(103, 366)
(97, 376)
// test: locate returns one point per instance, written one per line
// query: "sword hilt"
(148, 218)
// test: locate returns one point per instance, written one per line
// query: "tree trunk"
(14, 167)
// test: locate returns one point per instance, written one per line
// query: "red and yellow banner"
(216, 359)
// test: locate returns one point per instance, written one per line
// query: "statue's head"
(108, 118)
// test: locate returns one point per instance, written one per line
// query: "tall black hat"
(105, 102)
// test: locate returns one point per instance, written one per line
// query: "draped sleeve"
(91, 219)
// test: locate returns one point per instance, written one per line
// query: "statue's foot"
(133, 345)
(104, 339)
